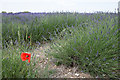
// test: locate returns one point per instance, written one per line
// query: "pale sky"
(58, 5)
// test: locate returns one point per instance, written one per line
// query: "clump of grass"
(94, 49)
(14, 67)
(20, 26)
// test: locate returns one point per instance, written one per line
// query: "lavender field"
(86, 40)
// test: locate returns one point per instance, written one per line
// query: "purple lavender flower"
(33, 54)
(90, 28)
(107, 63)
(74, 49)
(99, 65)
(103, 35)
(1, 47)
(98, 28)
(67, 26)
(108, 32)
(107, 25)
(43, 37)
(101, 32)
(72, 26)
(94, 38)
(116, 31)
(89, 32)
(113, 72)
(104, 59)
(50, 38)
(91, 51)
(82, 71)
(90, 61)
(98, 38)
(47, 29)
(113, 58)
(113, 24)
(62, 26)
(24, 45)
(55, 44)
(113, 46)
(97, 54)
(28, 64)
(74, 41)
(119, 29)
(38, 43)
(49, 33)
(16, 42)
(101, 17)
(87, 58)
(97, 21)
(86, 42)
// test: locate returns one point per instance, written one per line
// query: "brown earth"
(61, 71)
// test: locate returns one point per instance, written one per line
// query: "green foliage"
(93, 49)
(89, 41)
(4, 12)
(26, 12)
(20, 27)
(13, 66)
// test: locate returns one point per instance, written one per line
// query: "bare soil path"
(61, 71)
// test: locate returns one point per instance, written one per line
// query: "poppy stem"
(26, 32)
(30, 39)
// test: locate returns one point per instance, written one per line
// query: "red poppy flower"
(28, 36)
(25, 56)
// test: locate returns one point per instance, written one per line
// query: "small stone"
(76, 74)
(37, 55)
(69, 70)
(65, 74)
(103, 74)
(83, 77)
(55, 66)
(40, 47)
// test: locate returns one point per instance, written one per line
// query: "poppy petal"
(24, 56)
(28, 36)
(29, 57)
